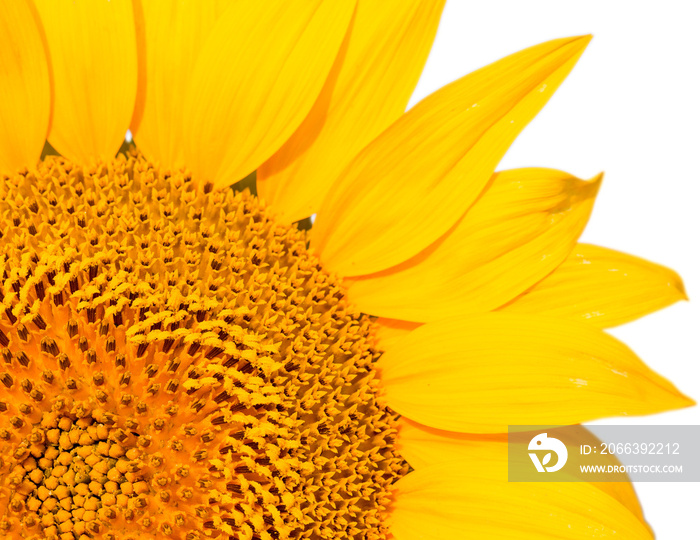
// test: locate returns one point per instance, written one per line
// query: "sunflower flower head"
(181, 360)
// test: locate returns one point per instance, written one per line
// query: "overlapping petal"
(369, 88)
(423, 446)
(481, 373)
(434, 161)
(603, 287)
(443, 500)
(390, 330)
(174, 35)
(94, 63)
(522, 228)
(25, 87)
(256, 78)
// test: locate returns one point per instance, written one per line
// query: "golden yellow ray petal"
(174, 35)
(603, 287)
(414, 181)
(388, 331)
(94, 61)
(141, 73)
(257, 76)
(445, 500)
(523, 226)
(423, 446)
(479, 374)
(25, 87)
(369, 87)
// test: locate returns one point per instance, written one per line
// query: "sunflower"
(185, 360)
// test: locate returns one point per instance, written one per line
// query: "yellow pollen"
(175, 364)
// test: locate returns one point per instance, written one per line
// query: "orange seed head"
(176, 364)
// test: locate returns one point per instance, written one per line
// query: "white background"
(631, 108)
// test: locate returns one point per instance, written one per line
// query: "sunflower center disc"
(176, 363)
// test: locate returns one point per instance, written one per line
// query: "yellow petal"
(603, 287)
(479, 374)
(446, 500)
(369, 88)
(257, 76)
(388, 331)
(174, 35)
(524, 225)
(141, 72)
(25, 87)
(94, 61)
(423, 446)
(412, 183)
